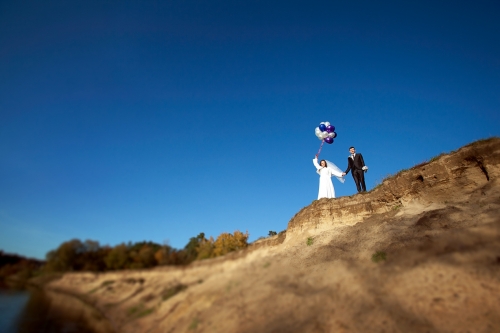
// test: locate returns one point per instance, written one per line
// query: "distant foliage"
(165, 255)
(205, 249)
(192, 247)
(118, 258)
(75, 255)
(272, 233)
(143, 255)
(16, 270)
(226, 243)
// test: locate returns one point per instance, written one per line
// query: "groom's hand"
(343, 174)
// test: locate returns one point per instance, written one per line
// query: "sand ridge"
(420, 253)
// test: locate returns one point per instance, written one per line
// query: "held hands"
(343, 174)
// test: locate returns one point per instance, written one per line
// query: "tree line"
(16, 270)
(89, 255)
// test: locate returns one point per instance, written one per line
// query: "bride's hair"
(326, 164)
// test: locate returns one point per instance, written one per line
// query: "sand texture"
(437, 225)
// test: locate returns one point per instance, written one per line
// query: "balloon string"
(320, 147)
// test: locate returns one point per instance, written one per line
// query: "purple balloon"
(334, 134)
(322, 127)
(328, 140)
(330, 128)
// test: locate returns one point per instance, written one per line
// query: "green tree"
(205, 249)
(65, 257)
(144, 257)
(191, 248)
(118, 257)
(93, 260)
(75, 255)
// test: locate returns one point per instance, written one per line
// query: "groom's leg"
(362, 180)
(355, 175)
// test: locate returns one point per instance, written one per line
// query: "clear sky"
(156, 120)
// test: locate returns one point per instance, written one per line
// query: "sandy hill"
(419, 253)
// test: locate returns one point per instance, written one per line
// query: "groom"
(356, 163)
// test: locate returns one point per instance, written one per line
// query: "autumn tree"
(227, 242)
(165, 256)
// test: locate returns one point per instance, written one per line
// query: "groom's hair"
(351, 148)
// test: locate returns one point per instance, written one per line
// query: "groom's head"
(352, 150)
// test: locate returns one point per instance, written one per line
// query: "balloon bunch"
(326, 132)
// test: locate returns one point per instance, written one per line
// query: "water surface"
(31, 312)
(12, 304)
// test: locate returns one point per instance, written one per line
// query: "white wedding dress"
(326, 189)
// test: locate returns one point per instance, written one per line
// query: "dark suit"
(358, 174)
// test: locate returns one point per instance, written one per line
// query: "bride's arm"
(315, 162)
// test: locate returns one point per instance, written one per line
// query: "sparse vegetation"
(194, 324)
(131, 311)
(139, 311)
(396, 207)
(93, 290)
(379, 256)
(272, 233)
(145, 312)
(380, 181)
(231, 284)
(436, 157)
(310, 241)
(107, 283)
(480, 141)
(171, 292)
(419, 165)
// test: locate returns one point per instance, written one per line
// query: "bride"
(326, 170)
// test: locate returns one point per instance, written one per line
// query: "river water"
(12, 304)
(30, 312)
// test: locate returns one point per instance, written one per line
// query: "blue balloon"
(334, 134)
(322, 127)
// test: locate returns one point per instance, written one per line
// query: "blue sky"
(146, 120)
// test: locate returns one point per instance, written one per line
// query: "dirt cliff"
(419, 253)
